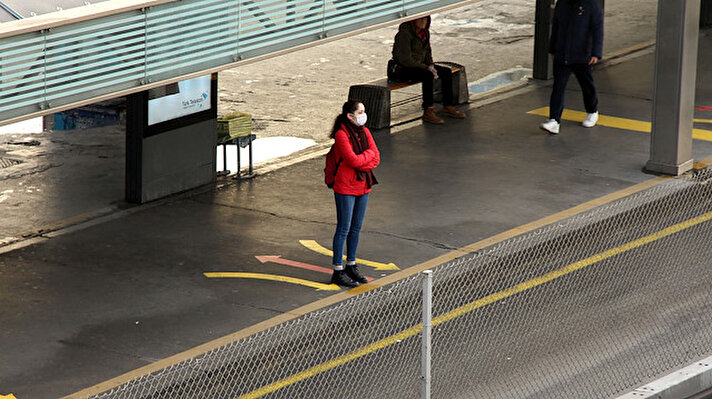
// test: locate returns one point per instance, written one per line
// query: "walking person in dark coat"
(576, 45)
(413, 61)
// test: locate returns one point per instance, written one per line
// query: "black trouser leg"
(418, 75)
(561, 77)
(584, 75)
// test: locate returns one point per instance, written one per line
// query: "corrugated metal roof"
(26, 8)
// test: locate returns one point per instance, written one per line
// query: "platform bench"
(239, 142)
(376, 95)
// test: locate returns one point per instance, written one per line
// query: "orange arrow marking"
(281, 261)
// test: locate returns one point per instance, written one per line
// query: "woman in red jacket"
(357, 155)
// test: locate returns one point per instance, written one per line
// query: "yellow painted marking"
(10, 396)
(311, 372)
(314, 246)
(274, 277)
(465, 309)
(702, 120)
(571, 268)
(618, 123)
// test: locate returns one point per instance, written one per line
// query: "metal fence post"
(427, 330)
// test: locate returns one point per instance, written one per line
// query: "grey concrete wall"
(178, 160)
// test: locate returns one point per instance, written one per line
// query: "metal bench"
(376, 95)
(239, 142)
(236, 128)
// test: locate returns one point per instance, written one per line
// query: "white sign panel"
(179, 99)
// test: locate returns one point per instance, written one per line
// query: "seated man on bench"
(413, 61)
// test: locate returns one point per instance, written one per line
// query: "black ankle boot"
(341, 278)
(352, 271)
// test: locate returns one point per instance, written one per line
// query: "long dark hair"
(349, 107)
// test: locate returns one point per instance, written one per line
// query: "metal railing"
(10, 11)
(67, 62)
(589, 307)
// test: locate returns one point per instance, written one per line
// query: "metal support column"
(674, 87)
(542, 67)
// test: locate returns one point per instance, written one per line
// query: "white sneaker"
(551, 126)
(590, 120)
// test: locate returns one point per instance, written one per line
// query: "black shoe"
(352, 271)
(341, 278)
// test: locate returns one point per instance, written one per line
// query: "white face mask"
(361, 119)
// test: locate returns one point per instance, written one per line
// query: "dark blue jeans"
(584, 76)
(350, 211)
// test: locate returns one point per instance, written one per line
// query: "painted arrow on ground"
(301, 265)
(274, 277)
(314, 246)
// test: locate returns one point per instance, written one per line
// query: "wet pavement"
(109, 287)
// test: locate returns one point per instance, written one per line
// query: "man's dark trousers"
(584, 75)
(426, 77)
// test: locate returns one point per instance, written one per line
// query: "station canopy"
(28, 8)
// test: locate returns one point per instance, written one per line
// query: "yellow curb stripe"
(274, 277)
(537, 281)
(321, 368)
(616, 122)
(702, 120)
(472, 306)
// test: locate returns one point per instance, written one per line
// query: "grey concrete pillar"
(542, 66)
(175, 155)
(674, 87)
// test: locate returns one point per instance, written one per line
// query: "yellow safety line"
(274, 277)
(311, 372)
(618, 123)
(463, 310)
(314, 246)
(702, 120)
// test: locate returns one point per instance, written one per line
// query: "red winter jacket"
(345, 182)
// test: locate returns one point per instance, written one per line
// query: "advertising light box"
(179, 99)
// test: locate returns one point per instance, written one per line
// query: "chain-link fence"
(586, 308)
